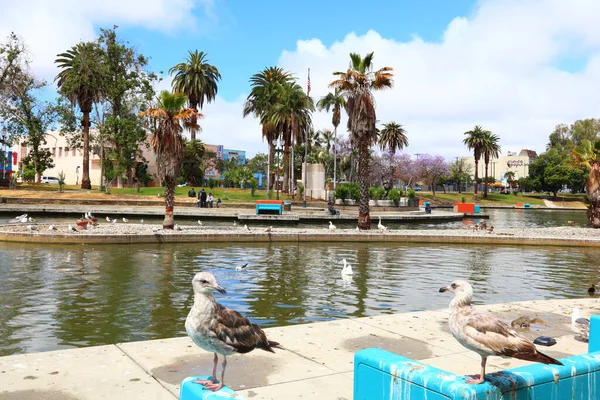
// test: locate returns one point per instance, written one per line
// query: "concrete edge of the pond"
(301, 236)
(317, 361)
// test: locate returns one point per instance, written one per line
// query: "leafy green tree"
(475, 141)
(13, 61)
(585, 129)
(588, 154)
(258, 164)
(198, 80)
(167, 142)
(81, 80)
(460, 171)
(357, 85)
(510, 177)
(550, 171)
(193, 165)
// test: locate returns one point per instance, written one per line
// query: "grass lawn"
(40, 190)
(493, 198)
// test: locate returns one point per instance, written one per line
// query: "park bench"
(269, 207)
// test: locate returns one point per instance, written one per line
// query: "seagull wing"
(493, 336)
(237, 331)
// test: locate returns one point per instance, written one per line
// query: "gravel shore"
(106, 229)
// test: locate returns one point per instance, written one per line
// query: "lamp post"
(4, 153)
(278, 144)
(77, 175)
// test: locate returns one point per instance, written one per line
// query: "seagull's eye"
(203, 281)
(453, 286)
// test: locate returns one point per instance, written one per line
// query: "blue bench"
(379, 374)
(194, 391)
(269, 208)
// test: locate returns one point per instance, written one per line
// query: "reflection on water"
(72, 296)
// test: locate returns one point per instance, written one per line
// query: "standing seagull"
(331, 226)
(485, 335)
(125, 220)
(220, 330)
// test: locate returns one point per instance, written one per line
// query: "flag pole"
(306, 145)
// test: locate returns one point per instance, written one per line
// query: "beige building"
(498, 167)
(69, 161)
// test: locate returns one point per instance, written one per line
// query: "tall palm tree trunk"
(476, 179)
(286, 168)
(334, 157)
(194, 121)
(169, 221)
(593, 193)
(485, 186)
(364, 218)
(86, 183)
(270, 178)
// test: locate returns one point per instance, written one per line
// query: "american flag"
(308, 84)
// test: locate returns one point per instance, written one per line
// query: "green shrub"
(212, 183)
(411, 194)
(342, 192)
(354, 189)
(463, 200)
(62, 177)
(374, 193)
(395, 195)
(253, 185)
(515, 193)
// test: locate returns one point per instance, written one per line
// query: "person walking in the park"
(202, 197)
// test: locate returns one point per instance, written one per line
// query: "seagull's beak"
(220, 289)
(444, 289)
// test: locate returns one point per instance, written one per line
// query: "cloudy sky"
(516, 67)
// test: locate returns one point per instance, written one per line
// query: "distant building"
(498, 167)
(222, 153)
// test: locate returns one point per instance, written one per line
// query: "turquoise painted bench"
(194, 391)
(268, 208)
(379, 374)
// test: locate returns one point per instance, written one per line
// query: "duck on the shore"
(331, 226)
(592, 290)
(380, 226)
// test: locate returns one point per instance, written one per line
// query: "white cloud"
(51, 27)
(495, 68)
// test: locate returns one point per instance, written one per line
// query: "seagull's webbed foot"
(475, 379)
(205, 382)
(213, 386)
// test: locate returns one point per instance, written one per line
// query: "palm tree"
(197, 79)
(314, 139)
(510, 178)
(291, 116)
(356, 85)
(327, 138)
(81, 80)
(490, 149)
(588, 154)
(261, 99)
(333, 101)
(393, 138)
(474, 141)
(168, 121)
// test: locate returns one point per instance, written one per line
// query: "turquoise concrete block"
(194, 391)
(594, 342)
(477, 209)
(269, 207)
(526, 205)
(379, 374)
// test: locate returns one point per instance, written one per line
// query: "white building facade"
(498, 167)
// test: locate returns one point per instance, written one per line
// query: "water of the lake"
(55, 296)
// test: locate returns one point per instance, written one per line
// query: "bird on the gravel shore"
(268, 230)
(108, 219)
(142, 221)
(571, 222)
(246, 227)
(331, 226)
(580, 325)
(200, 223)
(21, 216)
(220, 330)
(380, 226)
(31, 219)
(241, 267)
(32, 227)
(347, 269)
(114, 221)
(51, 228)
(490, 229)
(23, 220)
(155, 229)
(592, 290)
(125, 220)
(72, 228)
(357, 228)
(234, 223)
(486, 335)
(177, 228)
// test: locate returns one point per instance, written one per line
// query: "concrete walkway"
(318, 362)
